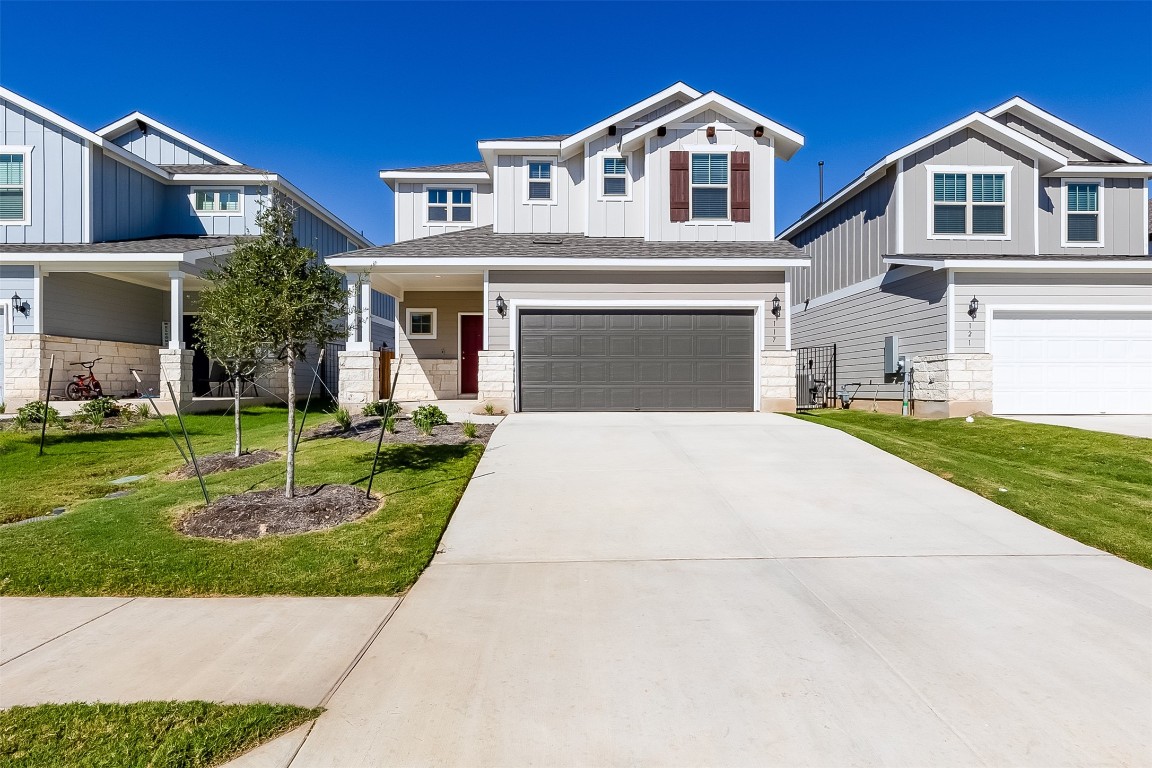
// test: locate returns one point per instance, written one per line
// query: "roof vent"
(548, 241)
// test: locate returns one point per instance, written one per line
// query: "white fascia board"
(1135, 171)
(226, 178)
(322, 212)
(1061, 127)
(471, 177)
(124, 124)
(1033, 264)
(976, 120)
(108, 262)
(355, 263)
(787, 141)
(574, 143)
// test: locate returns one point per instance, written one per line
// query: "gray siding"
(19, 279)
(56, 175)
(848, 244)
(89, 306)
(1122, 204)
(159, 148)
(127, 203)
(181, 218)
(313, 232)
(914, 308)
(1065, 290)
(969, 148)
(624, 286)
(1073, 151)
(448, 306)
(411, 211)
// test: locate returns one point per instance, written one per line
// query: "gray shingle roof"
(206, 168)
(549, 137)
(469, 167)
(482, 242)
(170, 244)
(1016, 257)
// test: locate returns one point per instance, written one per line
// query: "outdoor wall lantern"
(973, 307)
(501, 305)
(776, 307)
(19, 305)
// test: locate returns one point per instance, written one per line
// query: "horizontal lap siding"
(1062, 290)
(448, 306)
(646, 286)
(88, 306)
(913, 308)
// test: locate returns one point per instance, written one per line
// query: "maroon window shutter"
(741, 187)
(679, 190)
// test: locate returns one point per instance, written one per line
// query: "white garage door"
(1068, 363)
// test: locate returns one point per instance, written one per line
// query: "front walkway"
(743, 589)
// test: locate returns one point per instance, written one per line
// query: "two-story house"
(104, 236)
(1003, 257)
(628, 266)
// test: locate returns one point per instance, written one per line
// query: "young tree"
(283, 298)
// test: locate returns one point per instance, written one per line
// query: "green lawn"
(128, 546)
(150, 734)
(1090, 486)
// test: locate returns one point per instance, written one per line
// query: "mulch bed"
(223, 462)
(367, 428)
(267, 513)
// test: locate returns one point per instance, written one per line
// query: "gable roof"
(571, 144)
(787, 141)
(978, 121)
(128, 122)
(1062, 128)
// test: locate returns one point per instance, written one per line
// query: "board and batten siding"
(913, 308)
(315, 233)
(19, 279)
(611, 216)
(1064, 290)
(762, 157)
(448, 306)
(847, 244)
(563, 215)
(969, 148)
(128, 204)
(56, 179)
(1073, 151)
(181, 218)
(159, 148)
(1122, 212)
(412, 209)
(88, 306)
(630, 286)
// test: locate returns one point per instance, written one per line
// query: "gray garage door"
(636, 360)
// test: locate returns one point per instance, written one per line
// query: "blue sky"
(329, 93)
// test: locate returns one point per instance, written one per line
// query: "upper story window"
(13, 186)
(709, 186)
(449, 204)
(970, 203)
(540, 180)
(615, 182)
(1082, 213)
(223, 201)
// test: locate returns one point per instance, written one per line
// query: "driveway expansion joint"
(69, 631)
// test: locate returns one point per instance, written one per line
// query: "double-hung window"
(615, 177)
(969, 204)
(709, 186)
(226, 201)
(13, 187)
(1082, 213)
(449, 205)
(539, 180)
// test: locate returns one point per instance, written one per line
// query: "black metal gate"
(815, 377)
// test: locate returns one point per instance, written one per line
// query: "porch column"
(176, 305)
(175, 360)
(366, 313)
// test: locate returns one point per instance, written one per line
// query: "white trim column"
(38, 299)
(355, 319)
(176, 305)
(366, 313)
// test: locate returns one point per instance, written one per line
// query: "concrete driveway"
(744, 589)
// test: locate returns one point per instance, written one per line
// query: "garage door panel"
(637, 360)
(1048, 363)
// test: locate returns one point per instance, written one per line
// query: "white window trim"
(552, 182)
(969, 170)
(627, 157)
(26, 151)
(710, 150)
(1064, 242)
(408, 312)
(448, 222)
(239, 200)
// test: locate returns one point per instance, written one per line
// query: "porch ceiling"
(397, 280)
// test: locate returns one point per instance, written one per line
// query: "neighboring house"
(628, 266)
(1005, 254)
(104, 236)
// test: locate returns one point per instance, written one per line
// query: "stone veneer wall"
(175, 368)
(777, 380)
(27, 357)
(359, 377)
(954, 384)
(497, 379)
(428, 379)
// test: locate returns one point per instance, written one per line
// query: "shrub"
(426, 417)
(143, 411)
(33, 412)
(104, 406)
(343, 418)
(469, 429)
(390, 424)
(377, 408)
(93, 417)
(21, 422)
(3, 406)
(489, 408)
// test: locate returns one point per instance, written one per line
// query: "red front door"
(471, 342)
